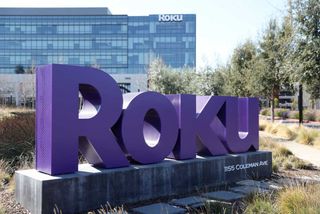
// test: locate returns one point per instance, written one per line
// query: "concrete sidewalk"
(304, 152)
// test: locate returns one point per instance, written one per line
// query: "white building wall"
(21, 87)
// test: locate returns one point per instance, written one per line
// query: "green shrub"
(317, 115)
(294, 115)
(276, 102)
(294, 105)
(309, 115)
(280, 112)
(265, 112)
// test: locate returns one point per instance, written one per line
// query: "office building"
(120, 45)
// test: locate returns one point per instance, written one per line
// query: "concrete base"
(91, 187)
(159, 208)
(226, 196)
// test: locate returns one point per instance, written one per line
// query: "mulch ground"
(9, 204)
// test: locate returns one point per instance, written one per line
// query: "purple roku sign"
(111, 130)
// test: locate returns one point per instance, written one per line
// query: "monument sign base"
(91, 187)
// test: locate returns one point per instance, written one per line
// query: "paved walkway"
(304, 152)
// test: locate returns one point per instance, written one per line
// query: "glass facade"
(117, 44)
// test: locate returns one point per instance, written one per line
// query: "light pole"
(300, 104)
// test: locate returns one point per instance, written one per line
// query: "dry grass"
(269, 128)
(263, 125)
(310, 115)
(282, 152)
(17, 139)
(277, 129)
(104, 209)
(11, 187)
(267, 144)
(303, 135)
(316, 142)
(295, 128)
(108, 209)
(307, 136)
(11, 111)
(282, 157)
(260, 205)
(16, 144)
(5, 112)
(285, 132)
(7, 180)
(2, 210)
(4, 175)
(297, 199)
(294, 115)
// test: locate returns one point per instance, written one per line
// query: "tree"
(241, 70)
(19, 69)
(272, 71)
(307, 53)
(164, 79)
(212, 81)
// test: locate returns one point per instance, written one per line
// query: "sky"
(221, 24)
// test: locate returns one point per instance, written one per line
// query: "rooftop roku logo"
(170, 17)
(111, 128)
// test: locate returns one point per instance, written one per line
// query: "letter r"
(62, 131)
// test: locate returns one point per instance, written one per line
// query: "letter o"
(149, 116)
